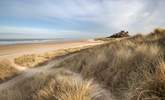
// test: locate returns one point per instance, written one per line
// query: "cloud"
(8, 29)
(30, 32)
(106, 15)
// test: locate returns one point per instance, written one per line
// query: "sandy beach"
(10, 52)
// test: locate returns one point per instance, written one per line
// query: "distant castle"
(120, 34)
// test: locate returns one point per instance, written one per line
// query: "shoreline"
(40, 42)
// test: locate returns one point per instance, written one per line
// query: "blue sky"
(78, 18)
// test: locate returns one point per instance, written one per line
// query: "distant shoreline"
(4, 42)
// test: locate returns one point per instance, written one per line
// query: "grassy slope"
(6, 70)
(130, 69)
(125, 66)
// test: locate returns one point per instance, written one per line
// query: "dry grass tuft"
(159, 31)
(27, 60)
(70, 88)
(58, 84)
(7, 71)
(33, 60)
(156, 34)
(153, 88)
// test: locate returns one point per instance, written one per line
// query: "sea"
(28, 41)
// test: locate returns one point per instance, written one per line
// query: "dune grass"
(127, 69)
(7, 71)
(153, 88)
(70, 87)
(33, 60)
(124, 66)
(57, 84)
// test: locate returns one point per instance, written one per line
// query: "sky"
(78, 18)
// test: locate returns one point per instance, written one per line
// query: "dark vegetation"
(116, 36)
(119, 34)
